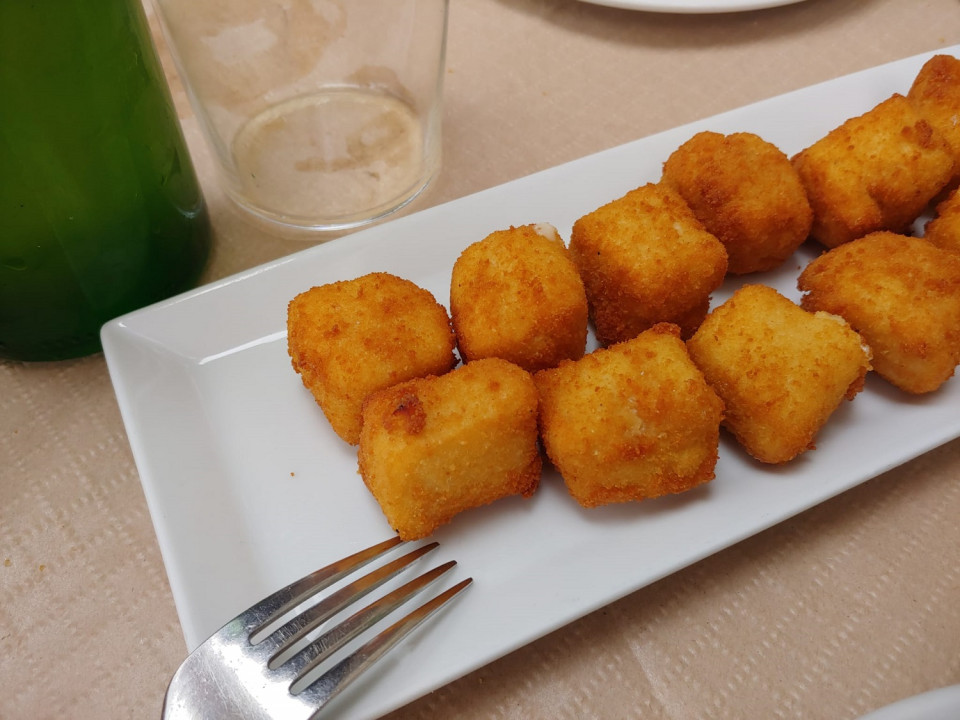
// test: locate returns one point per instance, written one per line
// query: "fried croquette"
(944, 230)
(433, 447)
(780, 370)
(646, 259)
(935, 93)
(745, 191)
(517, 295)
(902, 294)
(878, 171)
(632, 421)
(349, 338)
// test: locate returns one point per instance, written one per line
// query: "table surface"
(845, 608)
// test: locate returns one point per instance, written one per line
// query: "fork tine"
(229, 675)
(305, 661)
(282, 601)
(345, 672)
(285, 639)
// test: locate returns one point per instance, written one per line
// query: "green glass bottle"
(100, 209)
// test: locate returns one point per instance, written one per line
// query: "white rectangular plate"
(249, 488)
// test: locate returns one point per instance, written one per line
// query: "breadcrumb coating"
(780, 370)
(433, 447)
(944, 229)
(645, 259)
(349, 338)
(517, 295)
(745, 191)
(878, 171)
(902, 294)
(633, 421)
(935, 93)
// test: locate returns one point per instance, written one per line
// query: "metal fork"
(260, 664)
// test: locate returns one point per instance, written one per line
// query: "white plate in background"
(693, 6)
(249, 488)
(940, 704)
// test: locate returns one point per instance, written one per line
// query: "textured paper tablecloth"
(845, 608)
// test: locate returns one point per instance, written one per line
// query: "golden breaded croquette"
(349, 338)
(878, 171)
(902, 294)
(646, 259)
(632, 421)
(517, 295)
(780, 370)
(433, 447)
(944, 229)
(745, 191)
(935, 93)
